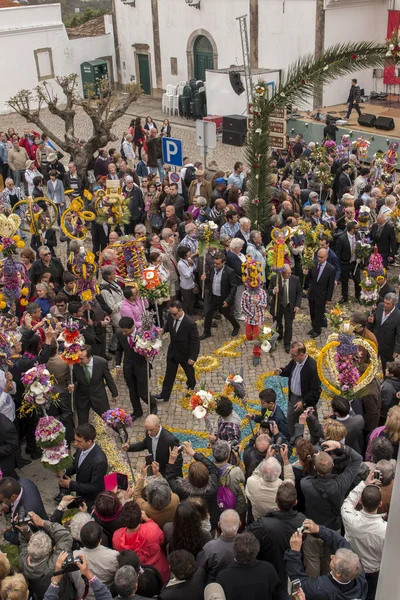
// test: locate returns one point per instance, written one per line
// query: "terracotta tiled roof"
(8, 4)
(92, 28)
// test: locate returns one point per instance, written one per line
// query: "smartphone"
(76, 503)
(122, 481)
(378, 474)
(149, 459)
(271, 425)
(294, 586)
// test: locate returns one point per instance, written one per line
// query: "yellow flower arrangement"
(24, 291)
(227, 349)
(87, 295)
(16, 238)
(24, 302)
(21, 244)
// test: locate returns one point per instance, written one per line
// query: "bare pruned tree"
(103, 110)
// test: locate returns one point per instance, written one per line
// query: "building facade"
(35, 47)
(164, 42)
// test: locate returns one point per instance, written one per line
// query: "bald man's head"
(152, 425)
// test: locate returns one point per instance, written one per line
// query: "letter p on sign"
(172, 151)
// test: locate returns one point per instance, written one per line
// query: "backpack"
(123, 155)
(225, 497)
(190, 175)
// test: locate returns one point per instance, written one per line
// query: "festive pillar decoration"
(13, 287)
(118, 420)
(148, 343)
(203, 404)
(34, 209)
(85, 269)
(112, 207)
(73, 345)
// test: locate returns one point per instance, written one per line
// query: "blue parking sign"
(172, 152)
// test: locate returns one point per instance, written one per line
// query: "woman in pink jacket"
(133, 305)
(143, 536)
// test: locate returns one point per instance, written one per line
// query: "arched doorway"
(203, 57)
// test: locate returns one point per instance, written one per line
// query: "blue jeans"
(160, 167)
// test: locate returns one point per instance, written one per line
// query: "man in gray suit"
(386, 326)
(91, 378)
(55, 191)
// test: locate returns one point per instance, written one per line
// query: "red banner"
(390, 74)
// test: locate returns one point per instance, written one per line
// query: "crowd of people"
(292, 514)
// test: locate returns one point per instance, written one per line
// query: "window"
(44, 63)
(174, 66)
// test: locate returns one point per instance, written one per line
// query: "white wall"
(283, 36)
(367, 22)
(25, 29)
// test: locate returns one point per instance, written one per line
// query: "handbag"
(156, 221)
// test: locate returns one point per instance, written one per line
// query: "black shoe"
(287, 348)
(59, 497)
(310, 332)
(26, 462)
(156, 397)
(153, 410)
(135, 416)
(280, 337)
(315, 334)
(36, 455)
(213, 324)
(235, 331)
(343, 300)
(217, 317)
(205, 336)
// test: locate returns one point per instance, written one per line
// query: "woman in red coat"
(143, 536)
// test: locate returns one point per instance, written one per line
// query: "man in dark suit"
(346, 253)
(384, 288)
(304, 383)
(223, 282)
(183, 349)
(354, 423)
(90, 466)
(344, 180)
(15, 495)
(86, 328)
(157, 442)
(91, 377)
(324, 242)
(386, 326)
(382, 235)
(134, 368)
(285, 301)
(321, 280)
(9, 447)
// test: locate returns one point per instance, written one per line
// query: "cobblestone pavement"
(173, 414)
(183, 129)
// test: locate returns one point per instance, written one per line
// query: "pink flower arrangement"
(49, 432)
(39, 387)
(57, 458)
(117, 417)
(330, 144)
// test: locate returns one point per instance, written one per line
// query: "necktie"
(130, 341)
(285, 299)
(87, 373)
(318, 271)
(176, 325)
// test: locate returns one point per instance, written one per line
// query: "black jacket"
(82, 182)
(354, 94)
(274, 531)
(55, 268)
(185, 343)
(344, 182)
(31, 501)
(86, 330)
(228, 284)
(136, 204)
(192, 588)
(309, 381)
(240, 235)
(166, 441)
(132, 360)
(343, 250)
(234, 262)
(9, 447)
(63, 412)
(385, 289)
(388, 334)
(256, 581)
(295, 293)
(95, 389)
(321, 291)
(324, 509)
(389, 388)
(185, 490)
(51, 241)
(325, 587)
(251, 458)
(89, 475)
(385, 239)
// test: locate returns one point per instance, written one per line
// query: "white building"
(167, 41)
(35, 47)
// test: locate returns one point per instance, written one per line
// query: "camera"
(378, 475)
(22, 517)
(276, 447)
(294, 586)
(76, 503)
(70, 564)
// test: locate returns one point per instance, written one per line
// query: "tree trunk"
(116, 45)
(319, 48)
(156, 42)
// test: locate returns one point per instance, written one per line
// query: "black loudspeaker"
(236, 82)
(386, 123)
(233, 138)
(235, 123)
(367, 120)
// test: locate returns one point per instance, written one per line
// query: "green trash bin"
(93, 72)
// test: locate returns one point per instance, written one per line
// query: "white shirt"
(321, 268)
(365, 532)
(154, 443)
(386, 316)
(84, 454)
(7, 406)
(198, 186)
(216, 285)
(352, 242)
(177, 323)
